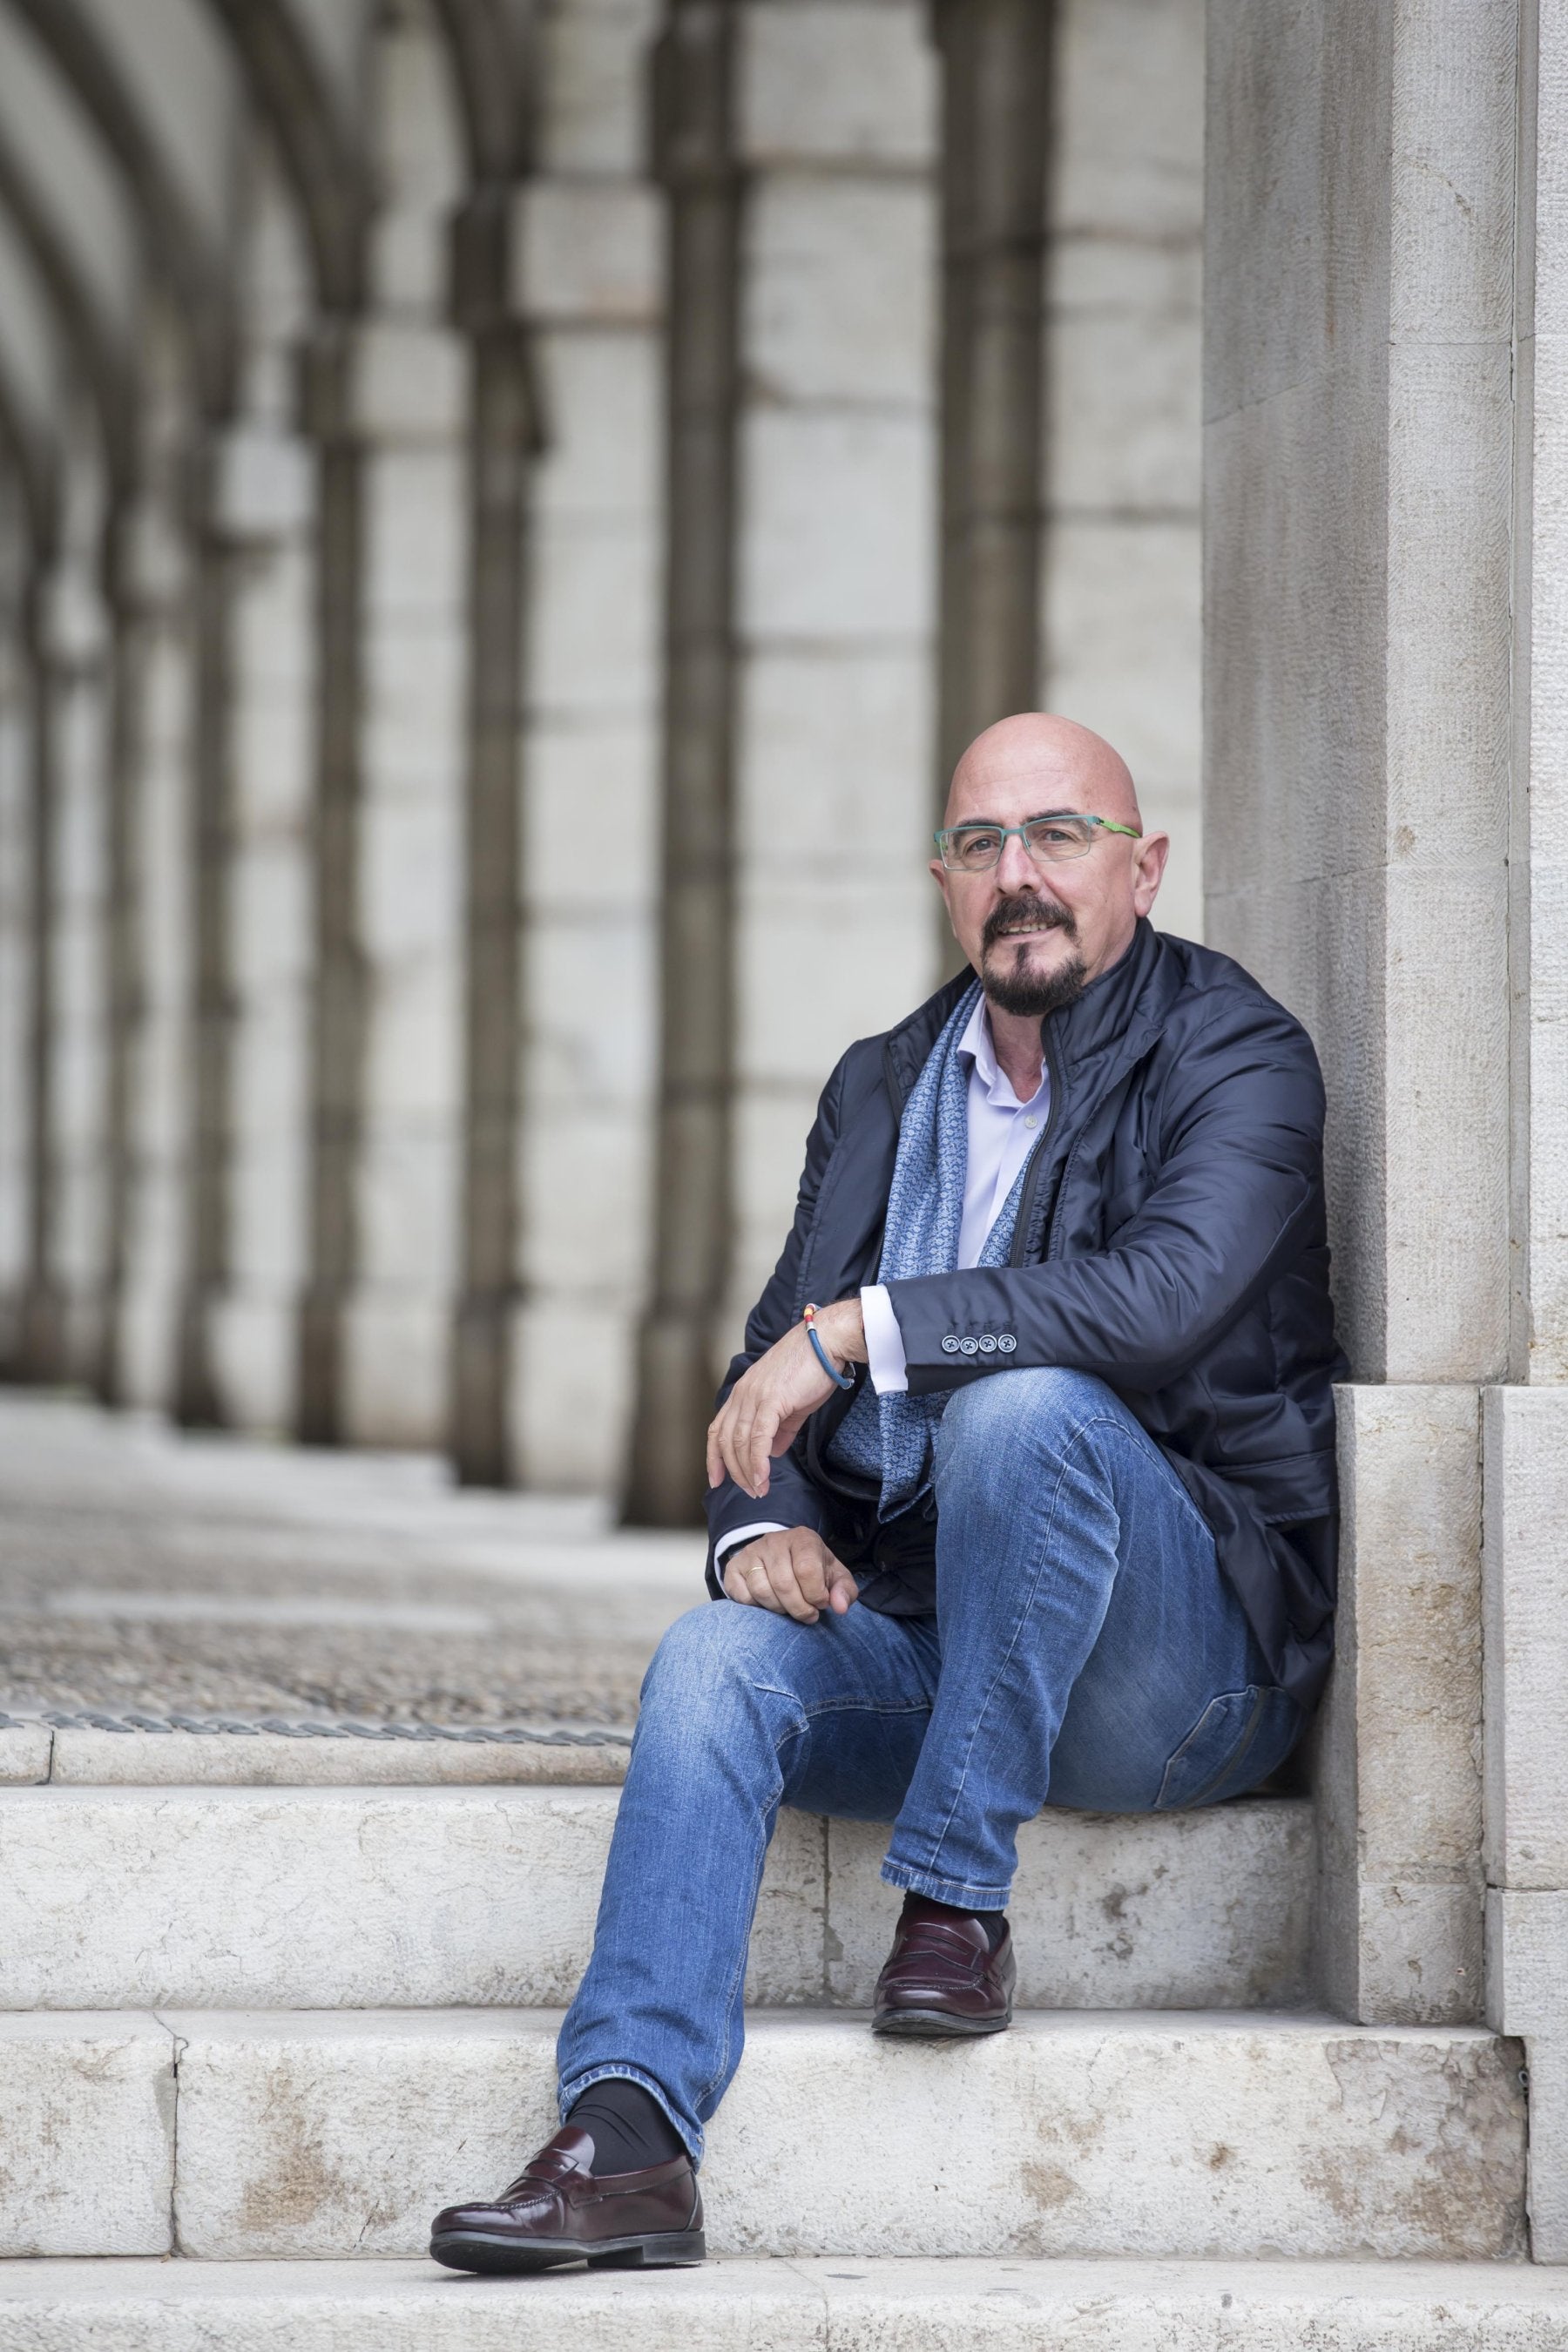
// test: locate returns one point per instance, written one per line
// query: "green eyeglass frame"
(1064, 833)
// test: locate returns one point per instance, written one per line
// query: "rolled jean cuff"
(958, 1892)
(570, 2092)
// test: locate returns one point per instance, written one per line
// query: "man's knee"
(716, 1649)
(1043, 1403)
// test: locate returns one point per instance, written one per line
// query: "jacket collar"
(1136, 994)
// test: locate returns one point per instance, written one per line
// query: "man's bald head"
(1036, 926)
(1076, 768)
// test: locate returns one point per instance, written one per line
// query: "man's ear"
(1149, 870)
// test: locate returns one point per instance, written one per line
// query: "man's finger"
(809, 1560)
(760, 1580)
(759, 1449)
(715, 1457)
(786, 1581)
(842, 1590)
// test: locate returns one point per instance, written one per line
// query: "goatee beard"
(1035, 993)
(1029, 994)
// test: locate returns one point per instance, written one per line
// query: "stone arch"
(318, 144)
(173, 241)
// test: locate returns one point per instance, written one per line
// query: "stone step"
(246, 2138)
(826, 2304)
(433, 1897)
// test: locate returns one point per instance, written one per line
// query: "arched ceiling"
(52, 145)
(121, 121)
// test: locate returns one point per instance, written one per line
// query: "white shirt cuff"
(725, 1545)
(884, 1342)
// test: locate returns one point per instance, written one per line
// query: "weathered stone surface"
(1526, 1583)
(1526, 1961)
(1547, 2054)
(234, 1896)
(313, 2137)
(1399, 1780)
(588, 249)
(24, 1755)
(1358, 492)
(837, 81)
(802, 2307)
(87, 2135)
(326, 1898)
(1204, 1910)
(266, 1760)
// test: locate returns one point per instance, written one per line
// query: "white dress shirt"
(1002, 1132)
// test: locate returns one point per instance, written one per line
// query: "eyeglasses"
(976, 848)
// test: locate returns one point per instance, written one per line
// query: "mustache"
(1025, 909)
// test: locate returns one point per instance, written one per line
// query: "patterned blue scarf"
(889, 1438)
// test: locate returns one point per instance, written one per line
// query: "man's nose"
(1015, 869)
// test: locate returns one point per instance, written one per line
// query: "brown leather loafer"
(558, 2211)
(942, 1977)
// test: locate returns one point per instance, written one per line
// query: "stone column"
(156, 740)
(1526, 1425)
(1121, 631)
(262, 515)
(1388, 670)
(1357, 464)
(588, 289)
(695, 132)
(16, 964)
(391, 412)
(76, 645)
(996, 117)
(840, 463)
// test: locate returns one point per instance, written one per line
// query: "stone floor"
(144, 1568)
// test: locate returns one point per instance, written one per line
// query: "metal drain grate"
(512, 1734)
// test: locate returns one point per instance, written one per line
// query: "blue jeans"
(1086, 1652)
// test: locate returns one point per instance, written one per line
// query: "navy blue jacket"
(1171, 1239)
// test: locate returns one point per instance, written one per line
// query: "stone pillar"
(1388, 671)
(410, 410)
(16, 965)
(76, 644)
(155, 741)
(996, 116)
(262, 515)
(1526, 1426)
(696, 142)
(1122, 633)
(1357, 467)
(501, 414)
(589, 291)
(337, 1011)
(840, 465)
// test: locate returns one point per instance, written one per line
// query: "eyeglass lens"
(974, 849)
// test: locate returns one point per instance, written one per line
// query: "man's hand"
(793, 1572)
(762, 1415)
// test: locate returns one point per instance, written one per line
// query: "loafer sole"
(496, 2255)
(936, 2024)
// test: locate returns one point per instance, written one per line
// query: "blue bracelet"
(840, 1380)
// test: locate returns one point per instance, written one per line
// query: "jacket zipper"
(1031, 1173)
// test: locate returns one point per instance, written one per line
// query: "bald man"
(1021, 1488)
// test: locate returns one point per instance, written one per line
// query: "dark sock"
(993, 1922)
(629, 2127)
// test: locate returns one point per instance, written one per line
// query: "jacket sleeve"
(1234, 1198)
(792, 1497)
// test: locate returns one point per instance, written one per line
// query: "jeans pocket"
(1239, 1738)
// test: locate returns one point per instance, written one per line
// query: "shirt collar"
(978, 1043)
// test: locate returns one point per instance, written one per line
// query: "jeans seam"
(737, 1986)
(1094, 1420)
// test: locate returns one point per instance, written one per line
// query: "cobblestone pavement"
(143, 1568)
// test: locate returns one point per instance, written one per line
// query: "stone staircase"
(266, 2002)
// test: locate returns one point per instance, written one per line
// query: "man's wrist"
(842, 1329)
